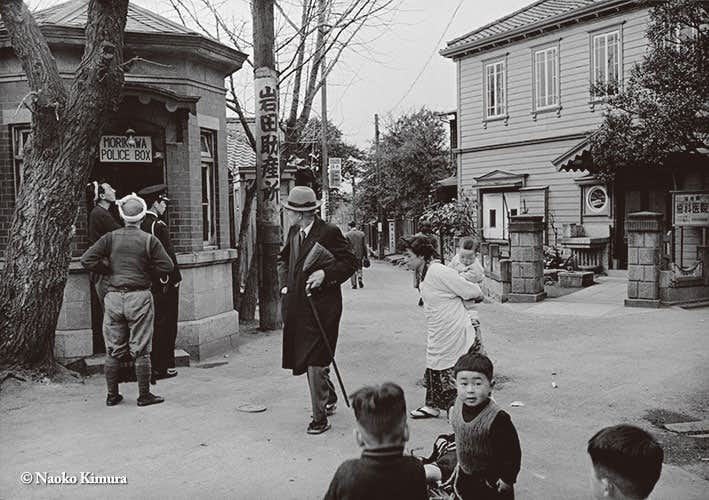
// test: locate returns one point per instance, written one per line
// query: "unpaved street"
(634, 366)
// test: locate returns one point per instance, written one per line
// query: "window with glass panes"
(20, 136)
(546, 78)
(495, 89)
(606, 62)
(208, 198)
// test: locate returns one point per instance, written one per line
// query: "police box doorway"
(129, 162)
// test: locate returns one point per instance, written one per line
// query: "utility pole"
(268, 223)
(323, 132)
(380, 212)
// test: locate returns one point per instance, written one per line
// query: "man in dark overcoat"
(359, 249)
(304, 350)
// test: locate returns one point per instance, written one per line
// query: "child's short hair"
(468, 243)
(631, 457)
(474, 362)
(381, 411)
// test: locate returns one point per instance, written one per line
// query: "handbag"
(365, 262)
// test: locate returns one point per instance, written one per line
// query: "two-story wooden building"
(525, 109)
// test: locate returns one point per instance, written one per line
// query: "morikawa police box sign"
(115, 149)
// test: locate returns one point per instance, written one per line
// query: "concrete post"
(644, 250)
(527, 257)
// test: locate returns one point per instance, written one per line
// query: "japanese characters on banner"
(690, 209)
(266, 83)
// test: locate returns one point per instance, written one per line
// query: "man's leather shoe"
(113, 399)
(149, 399)
(331, 408)
(318, 427)
(361, 283)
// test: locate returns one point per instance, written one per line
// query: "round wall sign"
(597, 199)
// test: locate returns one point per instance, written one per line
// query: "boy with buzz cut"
(486, 441)
(382, 472)
(627, 462)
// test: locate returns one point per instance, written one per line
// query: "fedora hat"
(301, 199)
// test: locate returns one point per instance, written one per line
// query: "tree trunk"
(243, 234)
(247, 309)
(66, 129)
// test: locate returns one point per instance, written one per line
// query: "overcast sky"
(383, 77)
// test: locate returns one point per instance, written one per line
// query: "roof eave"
(536, 28)
(227, 59)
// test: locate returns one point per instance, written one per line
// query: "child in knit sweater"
(487, 446)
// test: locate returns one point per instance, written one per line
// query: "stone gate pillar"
(644, 251)
(527, 257)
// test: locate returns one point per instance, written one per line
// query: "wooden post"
(323, 132)
(380, 214)
(268, 227)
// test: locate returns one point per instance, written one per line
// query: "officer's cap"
(154, 192)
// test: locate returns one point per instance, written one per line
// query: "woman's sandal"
(423, 413)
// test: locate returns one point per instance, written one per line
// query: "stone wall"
(527, 258)
(494, 258)
(644, 257)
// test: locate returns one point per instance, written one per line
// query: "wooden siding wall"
(576, 115)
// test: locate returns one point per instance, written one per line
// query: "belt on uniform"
(127, 288)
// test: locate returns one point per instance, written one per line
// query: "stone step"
(94, 364)
(694, 305)
(687, 427)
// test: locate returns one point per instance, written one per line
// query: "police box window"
(207, 140)
(20, 137)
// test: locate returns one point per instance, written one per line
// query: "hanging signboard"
(335, 170)
(392, 236)
(116, 149)
(690, 208)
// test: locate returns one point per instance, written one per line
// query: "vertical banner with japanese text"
(267, 144)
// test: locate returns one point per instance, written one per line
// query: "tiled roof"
(74, 14)
(534, 13)
(240, 156)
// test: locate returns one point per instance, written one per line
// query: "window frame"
(556, 106)
(208, 162)
(19, 135)
(604, 31)
(504, 114)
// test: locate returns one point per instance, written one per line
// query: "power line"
(435, 50)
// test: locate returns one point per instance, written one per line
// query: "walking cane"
(327, 344)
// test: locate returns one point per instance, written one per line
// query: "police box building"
(170, 129)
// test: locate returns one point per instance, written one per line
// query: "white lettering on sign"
(116, 149)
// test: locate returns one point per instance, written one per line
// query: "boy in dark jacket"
(382, 472)
(487, 445)
(627, 462)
